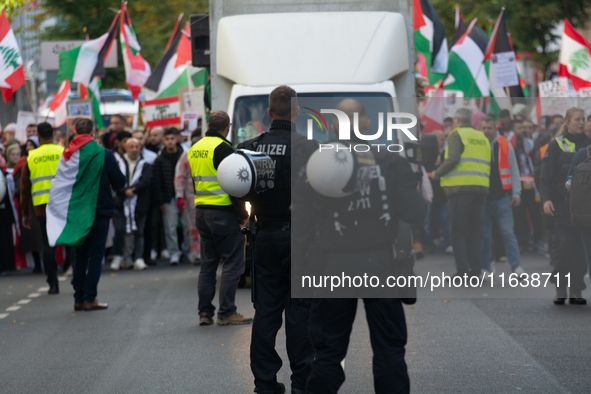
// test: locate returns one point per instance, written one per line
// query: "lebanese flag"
(575, 59)
(137, 70)
(58, 105)
(174, 62)
(71, 208)
(12, 72)
(430, 40)
(87, 61)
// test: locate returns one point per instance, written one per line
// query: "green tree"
(12, 7)
(532, 22)
(152, 21)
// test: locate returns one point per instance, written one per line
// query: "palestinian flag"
(93, 93)
(137, 70)
(465, 71)
(87, 61)
(12, 72)
(58, 104)
(74, 192)
(575, 58)
(459, 26)
(433, 112)
(430, 41)
(174, 62)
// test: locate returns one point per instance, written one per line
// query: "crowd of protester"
(154, 214)
(524, 204)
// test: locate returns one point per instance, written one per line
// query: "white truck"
(328, 49)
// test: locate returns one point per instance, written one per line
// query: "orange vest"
(543, 151)
(504, 170)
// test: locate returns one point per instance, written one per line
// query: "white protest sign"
(504, 69)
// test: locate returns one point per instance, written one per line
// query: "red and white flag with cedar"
(575, 58)
(58, 105)
(12, 72)
(137, 70)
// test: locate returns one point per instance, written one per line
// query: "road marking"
(3, 315)
(13, 308)
(41, 289)
(23, 302)
(33, 295)
(62, 278)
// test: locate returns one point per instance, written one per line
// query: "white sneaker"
(521, 274)
(153, 254)
(165, 254)
(449, 250)
(485, 274)
(139, 265)
(116, 263)
(175, 259)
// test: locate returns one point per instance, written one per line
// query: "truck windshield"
(251, 119)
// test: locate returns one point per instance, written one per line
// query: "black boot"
(560, 296)
(280, 389)
(576, 299)
(54, 289)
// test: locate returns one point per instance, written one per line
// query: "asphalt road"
(149, 340)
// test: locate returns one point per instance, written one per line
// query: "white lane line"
(3, 315)
(42, 289)
(33, 295)
(13, 308)
(25, 301)
(61, 278)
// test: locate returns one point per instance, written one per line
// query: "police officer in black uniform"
(273, 253)
(353, 237)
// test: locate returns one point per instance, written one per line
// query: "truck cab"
(324, 56)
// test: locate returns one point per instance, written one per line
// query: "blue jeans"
(89, 259)
(504, 215)
(437, 213)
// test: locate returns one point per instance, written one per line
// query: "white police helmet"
(329, 171)
(244, 172)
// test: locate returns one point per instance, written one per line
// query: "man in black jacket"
(133, 203)
(163, 189)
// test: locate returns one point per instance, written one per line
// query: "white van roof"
(309, 48)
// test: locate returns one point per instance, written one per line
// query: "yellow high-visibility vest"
(474, 166)
(42, 164)
(205, 176)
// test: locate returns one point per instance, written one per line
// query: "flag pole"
(508, 93)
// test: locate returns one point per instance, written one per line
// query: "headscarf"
(35, 140)
(9, 151)
(476, 118)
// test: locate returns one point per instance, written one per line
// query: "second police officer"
(357, 238)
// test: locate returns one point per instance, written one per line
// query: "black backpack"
(580, 194)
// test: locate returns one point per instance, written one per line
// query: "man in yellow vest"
(36, 178)
(219, 218)
(465, 178)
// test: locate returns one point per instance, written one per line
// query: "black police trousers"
(331, 322)
(273, 296)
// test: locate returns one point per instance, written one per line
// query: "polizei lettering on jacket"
(46, 158)
(273, 149)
